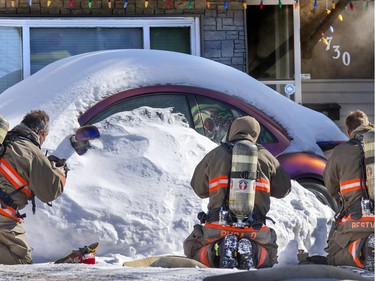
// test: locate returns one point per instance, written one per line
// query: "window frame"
(145, 23)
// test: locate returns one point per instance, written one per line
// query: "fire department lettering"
(363, 224)
(239, 234)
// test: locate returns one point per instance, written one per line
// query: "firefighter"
(25, 173)
(351, 239)
(228, 245)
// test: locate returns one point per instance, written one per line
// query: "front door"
(273, 43)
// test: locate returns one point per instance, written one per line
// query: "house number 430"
(337, 53)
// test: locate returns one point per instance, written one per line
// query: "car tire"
(321, 193)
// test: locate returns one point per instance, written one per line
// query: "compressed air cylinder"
(243, 179)
(4, 126)
(368, 147)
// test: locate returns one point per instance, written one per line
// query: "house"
(317, 53)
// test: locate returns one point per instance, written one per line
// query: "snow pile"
(131, 192)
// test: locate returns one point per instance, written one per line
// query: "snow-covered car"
(93, 86)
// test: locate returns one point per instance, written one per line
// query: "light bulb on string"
(261, 4)
(70, 3)
(90, 4)
(30, 2)
(244, 4)
(225, 4)
(328, 11)
(296, 4)
(340, 18)
(325, 42)
(125, 4)
(208, 4)
(146, 4)
(169, 3)
(331, 28)
(351, 6)
(49, 3)
(191, 4)
(315, 4)
(13, 3)
(109, 4)
(333, 5)
(280, 4)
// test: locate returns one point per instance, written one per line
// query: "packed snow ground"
(131, 190)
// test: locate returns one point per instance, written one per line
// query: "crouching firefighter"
(238, 177)
(349, 177)
(25, 173)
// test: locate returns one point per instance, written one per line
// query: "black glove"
(59, 163)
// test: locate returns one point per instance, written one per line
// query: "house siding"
(349, 94)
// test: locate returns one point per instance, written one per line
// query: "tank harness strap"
(8, 208)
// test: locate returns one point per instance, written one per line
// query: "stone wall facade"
(222, 29)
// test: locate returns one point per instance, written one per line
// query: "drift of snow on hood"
(72, 85)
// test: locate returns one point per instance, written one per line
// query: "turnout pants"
(347, 239)
(14, 247)
(199, 245)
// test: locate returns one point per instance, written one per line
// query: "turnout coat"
(342, 177)
(23, 165)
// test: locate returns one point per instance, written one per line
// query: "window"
(214, 118)
(29, 44)
(270, 41)
(170, 39)
(50, 44)
(10, 57)
(177, 101)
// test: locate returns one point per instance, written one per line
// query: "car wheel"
(321, 193)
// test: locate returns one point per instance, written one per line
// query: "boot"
(85, 255)
(228, 252)
(369, 253)
(246, 252)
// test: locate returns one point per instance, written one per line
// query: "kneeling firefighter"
(25, 173)
(238, 177)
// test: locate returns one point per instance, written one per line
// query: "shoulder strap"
(362, 170)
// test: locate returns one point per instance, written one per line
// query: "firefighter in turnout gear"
(219, 241)
(351, 239)
(25, 172)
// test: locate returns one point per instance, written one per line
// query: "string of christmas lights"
(110, 5)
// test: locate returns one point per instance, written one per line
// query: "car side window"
(213, 118)
(177, 101)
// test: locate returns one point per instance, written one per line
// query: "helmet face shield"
(87, 132)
